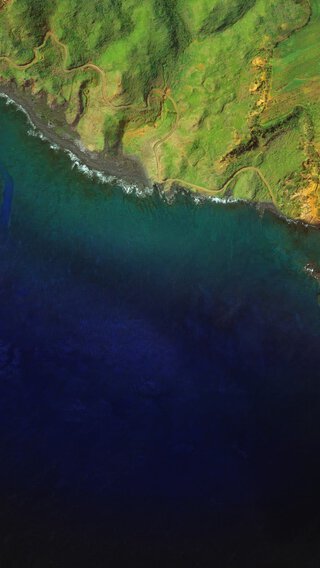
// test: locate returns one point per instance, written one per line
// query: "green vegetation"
(224, 15)
(218, 96)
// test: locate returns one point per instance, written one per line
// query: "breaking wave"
(91, 173)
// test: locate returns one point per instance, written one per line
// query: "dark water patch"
(7, 198)
(159, 366)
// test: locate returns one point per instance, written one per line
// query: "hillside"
(218, 96)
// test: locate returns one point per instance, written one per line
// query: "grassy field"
(213, 95)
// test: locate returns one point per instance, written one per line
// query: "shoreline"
(126, 170)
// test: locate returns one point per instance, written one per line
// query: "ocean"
(159, 374)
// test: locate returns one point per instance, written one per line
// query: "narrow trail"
(85, 66)
(107, 101)
(37, 57)
(89, 65)
(161, 92)
(214, 192)
(202, 189)
(158, 143)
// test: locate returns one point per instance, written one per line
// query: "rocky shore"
(52, 125)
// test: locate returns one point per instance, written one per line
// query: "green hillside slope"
(218, 96)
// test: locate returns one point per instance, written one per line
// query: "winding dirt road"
(161, 92)
(207, 191)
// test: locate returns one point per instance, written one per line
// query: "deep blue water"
(159, 375)
(6, 201)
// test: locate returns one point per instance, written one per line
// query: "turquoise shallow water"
(159, 365)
